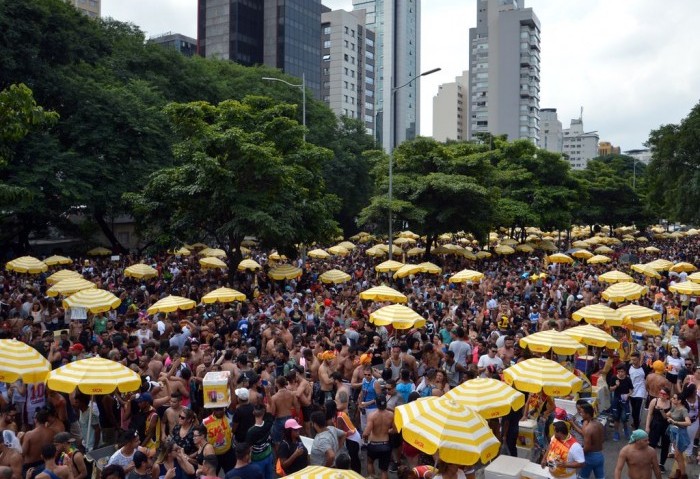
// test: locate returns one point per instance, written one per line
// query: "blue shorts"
(277, 433)
(595, 463)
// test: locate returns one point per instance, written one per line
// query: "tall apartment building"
(605, 148)
(450, 109)
(504, 70)
(283, 34)
(552, 135)
(347, 73)
(396, 25)
(91, 8)
(182, 43)
(580, 146)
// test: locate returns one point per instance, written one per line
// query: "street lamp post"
(392, 143)
(303, 96)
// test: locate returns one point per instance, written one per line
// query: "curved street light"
(303, 95)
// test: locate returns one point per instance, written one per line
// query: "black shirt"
(243, 417)
(285, 450)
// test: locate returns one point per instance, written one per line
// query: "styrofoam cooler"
(534, 471)
(505, 467)
(216, 389)
(526, 433)
(525, 452)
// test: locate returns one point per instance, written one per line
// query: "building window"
(326, 58)
(369, 42)
(347, 29)
(326, 30)
(326, 44)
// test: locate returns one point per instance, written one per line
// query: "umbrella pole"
(89, 428)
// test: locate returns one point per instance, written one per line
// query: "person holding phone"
(292, 456)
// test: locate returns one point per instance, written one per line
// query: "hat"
(145, 397)
(658, 366)
(691, 322)
(77, 347)
(291, 424)
(63, 437)
(638, 435)
(242, 394)
(355, 324)
(327, 302)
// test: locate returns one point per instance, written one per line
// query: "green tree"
(242, 169)
(674, 171)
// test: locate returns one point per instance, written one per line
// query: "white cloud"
(632, 65)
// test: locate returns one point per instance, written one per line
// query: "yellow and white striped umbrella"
(620, 292)
(404, 241)
(560, 258)
(62, 274)
(647, 327)
(537, 374)
(383, 293)
(398, 316)
(676, 268)
(430, 268)
(646, 270)
(322, 472)
(603, 250)
(249, 264)
(581, 254)
(598, 314)
(347, 245)
(338, 250)
(388, 265)
(140, 271)
(70, 286)
(503, 250)
(458, 434)
(407, 270)
(284, 271)
(182, 252)
(408, 234)
(21, 361)
(275, 256)
(318, 253)
(580, 244)
(171, 303)
(93, 376)
(615, 276)
(415, 251)
(467, 275)
(592, 336)
(26, 264)
(636, 313)
(551, 340)
(695, 277)
(685, 287)
(99, 251)
(55, 259)
(215, 252)
(212, 262)
(197, 246)
(509, 241)
(94, 300)
(335, 276)
(489, 397)
(482, 255)
(652, 249)
(223, 295)
(525, 248)
(375, 251)
(599, 259)
(660, 264)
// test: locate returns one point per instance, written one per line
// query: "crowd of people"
(314, 382)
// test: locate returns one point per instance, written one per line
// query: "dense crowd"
(305, 362)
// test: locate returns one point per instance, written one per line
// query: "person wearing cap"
(153, 429)
(639, 457)
(292, 456)
(68, 454)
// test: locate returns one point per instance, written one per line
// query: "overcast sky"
(631, 65)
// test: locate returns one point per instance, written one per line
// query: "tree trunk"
(117, 247)
(233, 253)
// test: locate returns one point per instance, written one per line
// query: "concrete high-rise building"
(504, 70)
(283, 34)
(396, 25)
(551, 136)
(182, 43)
(605, 148)
(91, 8)
(450, 109)
(347, 72)
(580, 146)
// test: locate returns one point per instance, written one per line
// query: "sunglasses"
(183, 417)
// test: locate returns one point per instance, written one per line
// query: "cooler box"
(567, 405)
(525, 453)
(585, 363)
(526, 433)
(505, 467)
(216, 389)
(534, 471)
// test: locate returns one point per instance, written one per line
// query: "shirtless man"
(281, 404)
(11, 458)
(507, 352)
(311, 364)
(303, 392)
(33, 441)
(154, 366)
(51, 469)
(593, 437)
(171, 416)
(347, 366)
(376, 436)
(68, 454)
(640, 458)
(657, 380)
(324, 377)
(286, 335)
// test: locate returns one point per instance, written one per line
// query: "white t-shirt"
(638, 382)
(485, 361)
(575, 455)
(461, 349)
